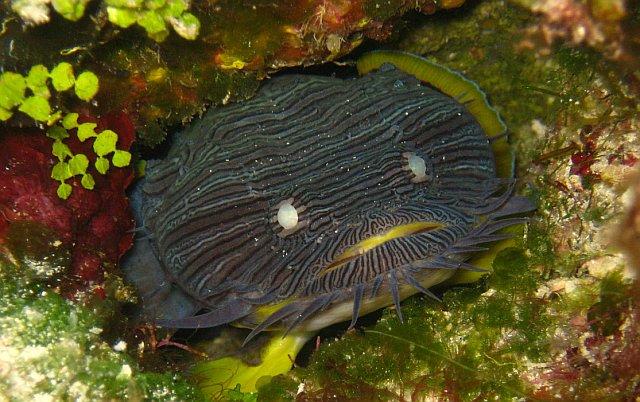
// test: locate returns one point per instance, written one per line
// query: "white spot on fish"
(287, 216)
(418, 166)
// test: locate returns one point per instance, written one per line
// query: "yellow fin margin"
(215, 376)
(444, 79)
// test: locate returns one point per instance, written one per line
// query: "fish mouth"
(371, 242)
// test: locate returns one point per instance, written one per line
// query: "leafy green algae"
(220, 51)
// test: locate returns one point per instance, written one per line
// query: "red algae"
(94, 225)
(606, 363)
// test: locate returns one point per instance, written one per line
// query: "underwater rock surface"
(164, 61)
(316, 195)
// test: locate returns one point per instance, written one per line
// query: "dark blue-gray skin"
(316, 201)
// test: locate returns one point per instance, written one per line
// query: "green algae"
(221, 51)
(179, 83)
(460, 347)
(52, 349)
(55, 349)
(605, 315)
(280, 388)
(475, 345)
(37, 107)
(36, 103)
(517, 81)
(155, 17)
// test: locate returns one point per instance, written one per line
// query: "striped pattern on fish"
(366, 221)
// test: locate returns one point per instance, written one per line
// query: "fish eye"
(417, 165)
(286, 217)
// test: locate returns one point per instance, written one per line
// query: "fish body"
(316, 201)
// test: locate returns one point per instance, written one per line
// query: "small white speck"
(125, 372)
(95, 330)
(42, 397)
(121, 346)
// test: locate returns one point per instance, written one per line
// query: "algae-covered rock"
(52, 349)
(69, 242)
(163, 61)
(610, 26)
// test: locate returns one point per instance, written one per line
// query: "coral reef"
(609, 26)
(59, 290)
(51, 349)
